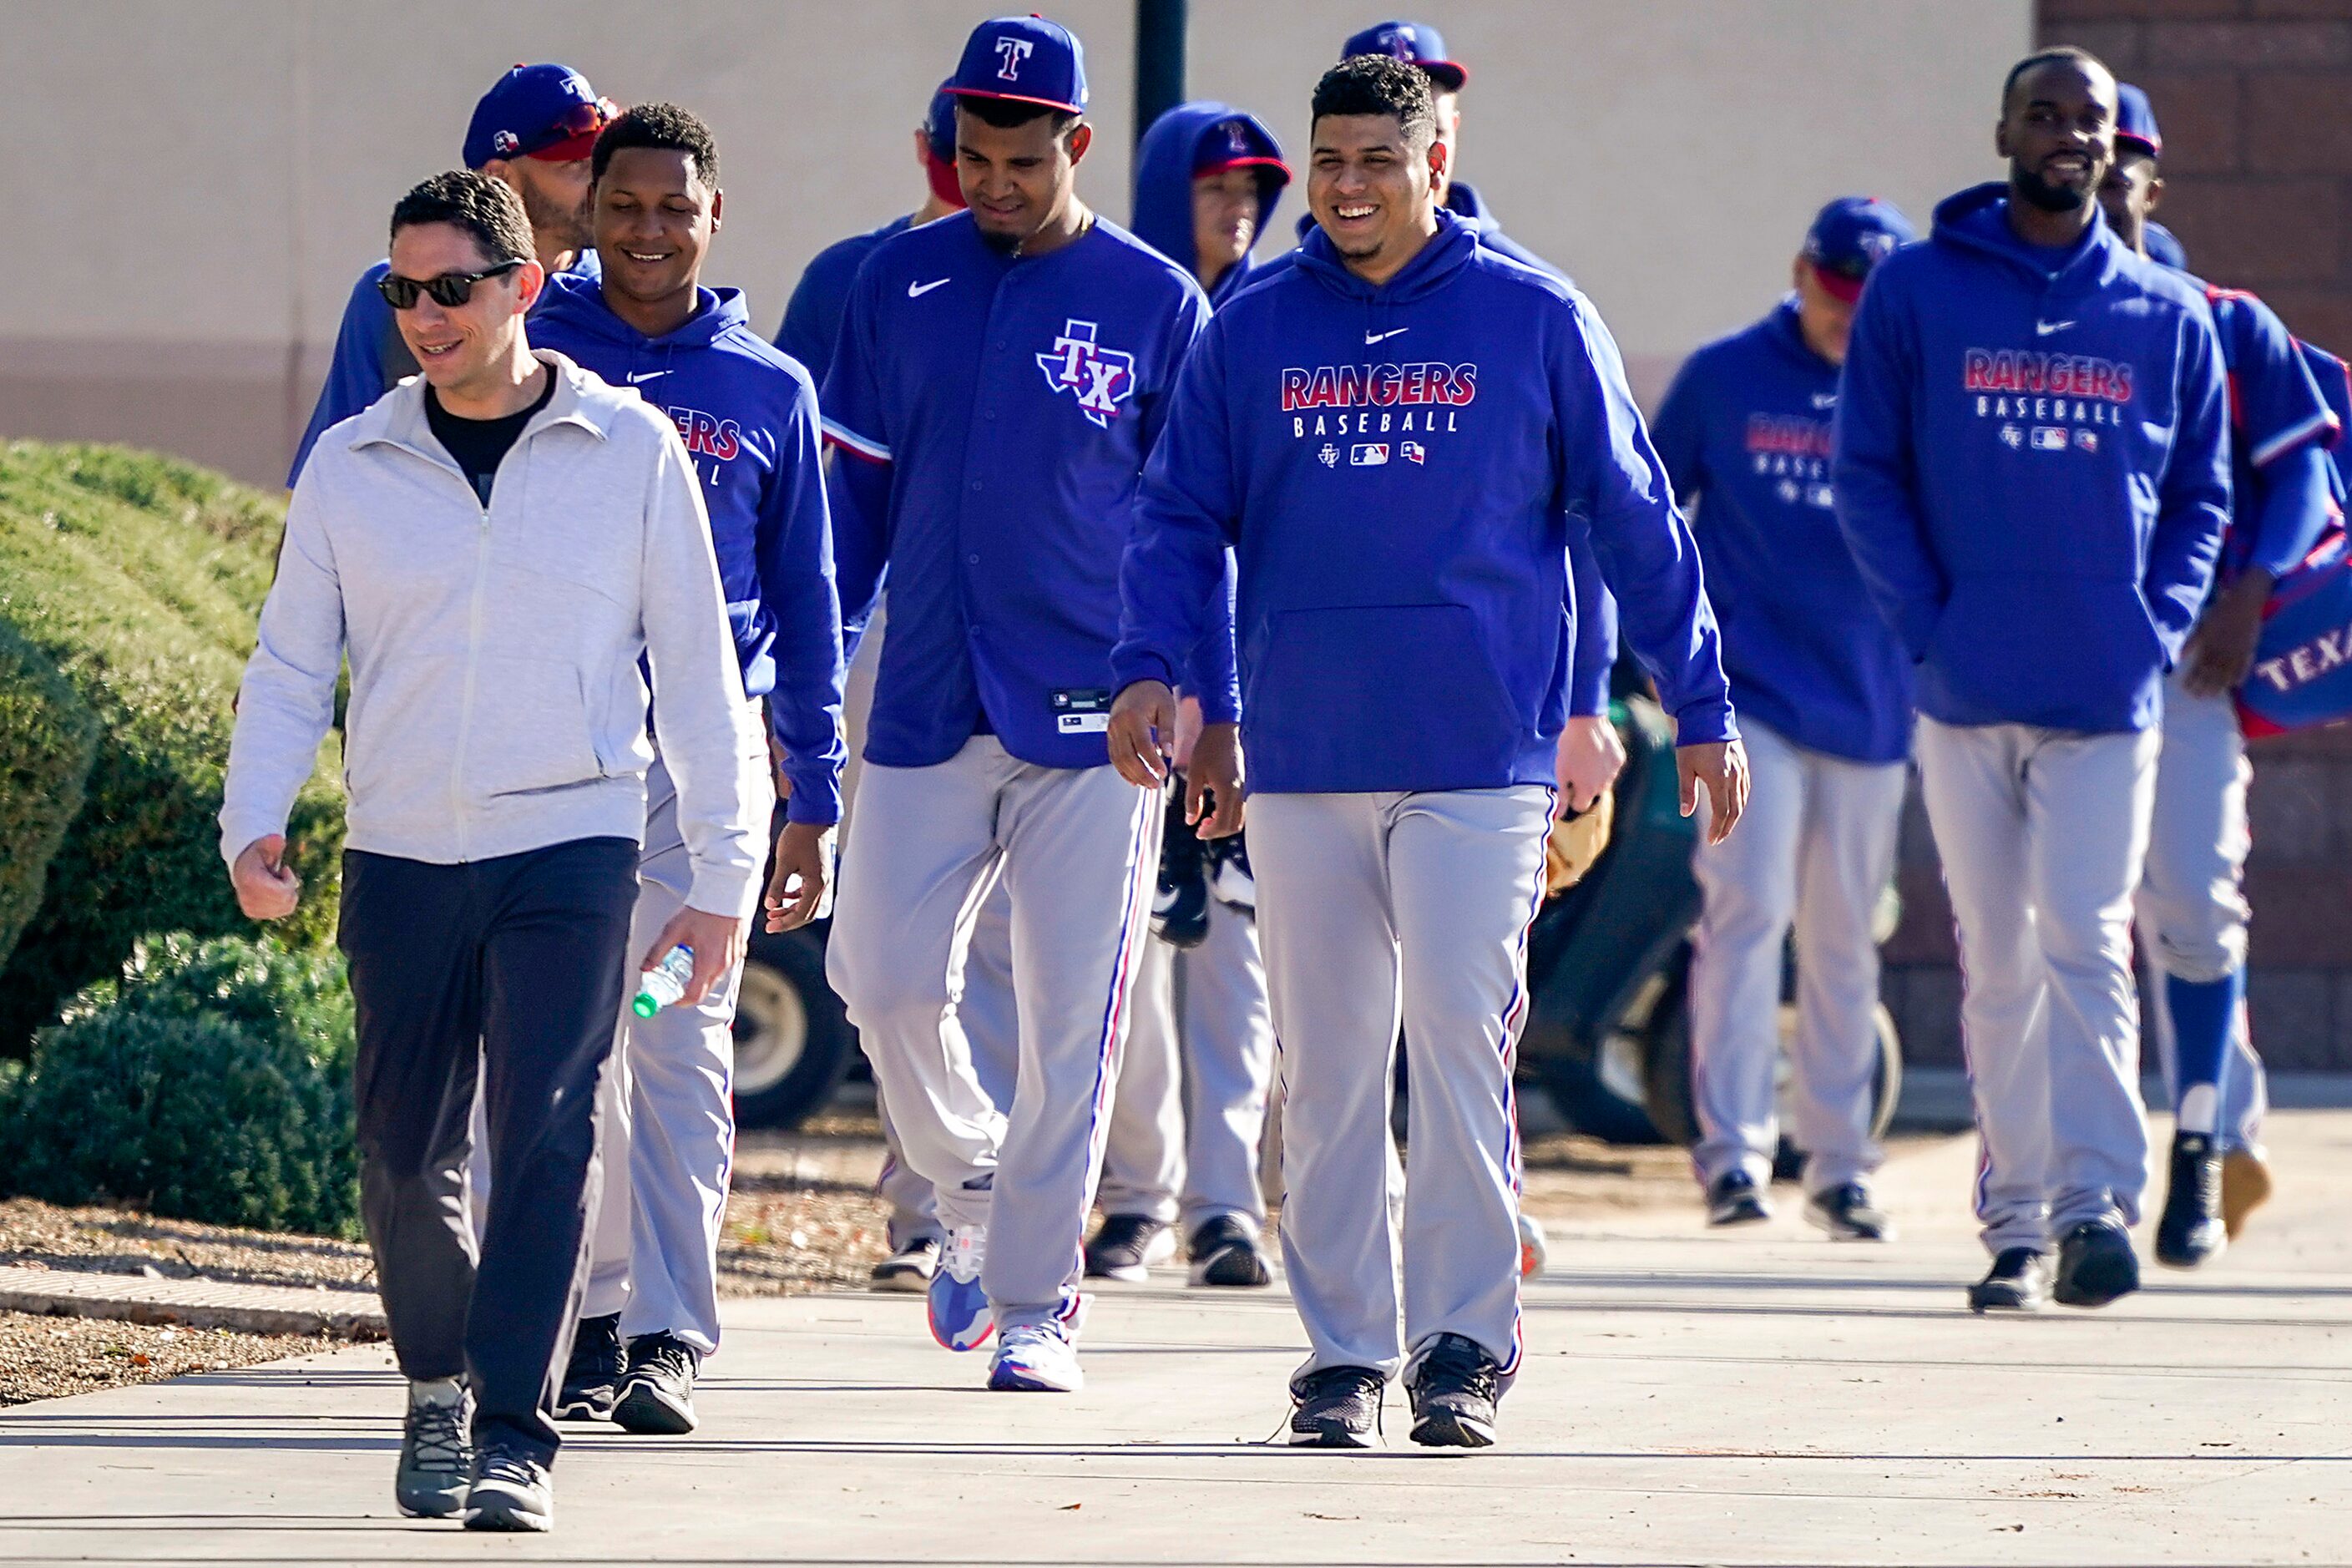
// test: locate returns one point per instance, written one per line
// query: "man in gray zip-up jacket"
(497, 543)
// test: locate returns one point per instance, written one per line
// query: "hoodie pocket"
(2066, 651)
(1380, 697)
(530, 729)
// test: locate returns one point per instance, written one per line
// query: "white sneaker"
(1036, 1358)
(960, 1314)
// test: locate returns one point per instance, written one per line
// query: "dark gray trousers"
(516, 963)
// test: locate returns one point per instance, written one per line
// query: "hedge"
(212, 1083)
(48, 736)
(140, 579)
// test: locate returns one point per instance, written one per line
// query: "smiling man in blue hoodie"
(1825, 697)
(1392, 436)
(747, 417)
(2033, 470)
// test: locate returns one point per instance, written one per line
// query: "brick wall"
(2255, 100)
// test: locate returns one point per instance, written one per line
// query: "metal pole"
(1158, 59)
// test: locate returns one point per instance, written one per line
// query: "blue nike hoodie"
(1395, 468)
(1745, 434)
(2032, 468)
(747, 416)
(1164, 162)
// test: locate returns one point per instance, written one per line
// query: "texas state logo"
(1099, 378)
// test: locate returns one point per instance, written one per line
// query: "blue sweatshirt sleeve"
(1680, 433)
(1612, 475)
(2295, 505)
(1596, 627)
(355, 378)
(859, 486)
(794, 549)
(1209, 669)
(2281, 422)
(1875, 474)
(2193, 500)
(1172, 576)
(809, 324)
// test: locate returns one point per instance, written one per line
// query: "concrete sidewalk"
(1764, 1398)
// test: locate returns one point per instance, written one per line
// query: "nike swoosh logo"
(637, 376)
(1163, 900)
(916, 290)
(1379, 337)
(2043, 329)
(1825, 400)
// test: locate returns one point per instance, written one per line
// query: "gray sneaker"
(511, 1490)
(436, 1466)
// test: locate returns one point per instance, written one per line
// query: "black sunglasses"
(449, 290)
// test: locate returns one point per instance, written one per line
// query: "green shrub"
(140, 578)
(212, 1083)
(47, 738)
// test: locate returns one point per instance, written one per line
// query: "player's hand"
(266, 890)
(797, 887)
(1721, 768)
(1143, 733)
(1590, 758)
(1215, 779)
(1189, 722)
(717, 944)
(2221, 651)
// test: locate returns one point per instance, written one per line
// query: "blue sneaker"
(961, 1318)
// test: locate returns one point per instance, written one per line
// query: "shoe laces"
(1031, 1336)
(1325, 1382)
(437, 1435)
(966, 1250)
(507, 1466)
(1457, 1363)
(665, 1356)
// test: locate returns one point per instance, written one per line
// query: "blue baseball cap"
(1414, 43)
(1239, 143)
(546, 111)
(1852, 236)
(2136, 122)
(1023, 60)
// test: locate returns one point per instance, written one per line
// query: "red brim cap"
(571, 150)
(1016, 98)
(944, 184)
(1275, 166)
(1839, 285)
(1449, 75)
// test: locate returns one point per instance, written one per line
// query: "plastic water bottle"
(664, 982)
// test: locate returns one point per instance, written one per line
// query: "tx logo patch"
(1099, 378)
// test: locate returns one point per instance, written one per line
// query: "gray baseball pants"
(1077, 849)
(2192, 903)
(1192, 1079)
(1815, 850)
(2043, 834)
(1376, 910)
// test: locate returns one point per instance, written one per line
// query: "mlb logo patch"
(1368, 453)
(2048, 439)
(1414, 453)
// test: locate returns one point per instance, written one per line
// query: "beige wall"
(191, 185)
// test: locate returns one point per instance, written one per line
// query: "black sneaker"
(1231, 880)
(1223, 1252)
(592, 1378)
(2190, 1230)
(1127, 1245)
(1454, 1393)
(911, 1267)
(2017, 1282)
(1336, 1407)
(1734, 1200)
(1847, 1214)
(435, 1465)
(1180, 904)
(657, 1391)
(2096, 1265)
(511, 1490)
